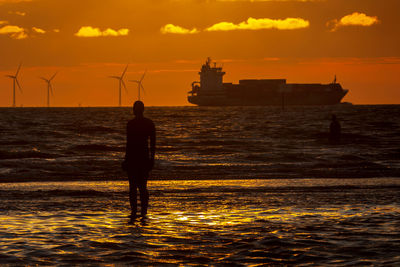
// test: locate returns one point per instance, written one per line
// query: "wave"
(97, 147)
(202, 143)
(25, 154)
(18, 194)
(49, 134)
(196, 192)
(96, 129)
(14, 142)
(346, 138)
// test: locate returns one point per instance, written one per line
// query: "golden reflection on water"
(187, 221)
(212, 223)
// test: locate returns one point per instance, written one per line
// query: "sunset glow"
(87, 41)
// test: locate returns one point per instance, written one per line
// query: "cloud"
(38, 30)
(22, 14)
(56, 30)
(14, 32)
(88, 31)
(250, 24)
(18, 33)
(264, 23)
(3, 22)
(355, 19)
(170, 28)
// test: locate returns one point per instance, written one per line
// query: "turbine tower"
(140, 85)
(121, 83)
(49, 87)
(15, 82)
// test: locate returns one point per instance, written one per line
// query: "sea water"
(231, 186)
(209, 222)
(207, 143)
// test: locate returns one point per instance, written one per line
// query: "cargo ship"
(212, 91)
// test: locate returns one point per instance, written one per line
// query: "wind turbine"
(15, 81)
(49, 87)
(140, 85)
(121, 83)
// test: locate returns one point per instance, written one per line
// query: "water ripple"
(230, 224)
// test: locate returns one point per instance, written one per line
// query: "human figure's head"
(334, 117)
(138, 108)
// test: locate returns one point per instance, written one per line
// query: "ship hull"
(272, 99)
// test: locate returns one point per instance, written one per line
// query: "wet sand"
(241, 222)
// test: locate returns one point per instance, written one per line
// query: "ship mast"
(208, 62)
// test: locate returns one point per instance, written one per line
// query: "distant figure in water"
(334, 130)
(139, 157)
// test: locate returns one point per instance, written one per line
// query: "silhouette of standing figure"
(334, 130)
(139, 158)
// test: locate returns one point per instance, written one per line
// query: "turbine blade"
(126, 90)
(141, 79)
(144, 91)
(115, 77)
(126, 68)
(123, 83)
(19, 67)
(51, 89)
(10, 76)
(44, 79)
(52, 77)
(19, 86)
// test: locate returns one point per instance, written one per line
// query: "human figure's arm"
(152, 146)
(124, 164)
(127, 142)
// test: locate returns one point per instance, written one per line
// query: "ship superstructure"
(212, 91)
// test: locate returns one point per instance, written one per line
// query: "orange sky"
(302, 41)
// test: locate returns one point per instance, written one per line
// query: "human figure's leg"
(144, 195)
(133, 195)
